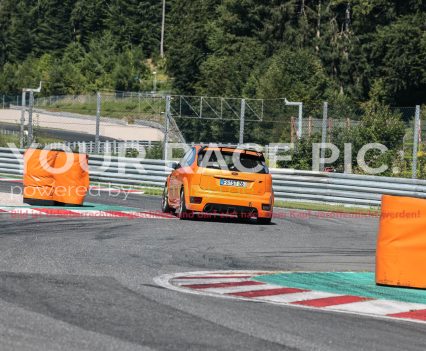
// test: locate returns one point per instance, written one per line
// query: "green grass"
(127, 108)
(14, 139)
(6, 139)
(150, 191)
(294, 205)
(45, 140)
(153, 191)
(10, 176)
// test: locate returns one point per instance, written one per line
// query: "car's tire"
(182, 211)
(265, 221)
(165, 207)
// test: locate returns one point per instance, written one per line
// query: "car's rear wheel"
(266, 221)
(165, 207)
(182, 211)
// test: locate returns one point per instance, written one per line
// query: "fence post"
(293, 132)
(22, 129)
(166, 129)
(242, 120)
(330, 129)
(98, 122)
(30, 119)
(348, 123)
(323, 134)
(416, 141)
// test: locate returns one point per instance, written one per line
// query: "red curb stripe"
(121, 214)
(331, 301)
(221, 285)
(268, 292)
(419, 315)
(160, 214)
(57, 212)
(216, 277)
(156, 214)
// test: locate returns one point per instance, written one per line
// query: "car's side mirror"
(176, 166)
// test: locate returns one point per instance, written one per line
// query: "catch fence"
(222, 120)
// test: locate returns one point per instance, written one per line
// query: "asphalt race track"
(57, 133)
(87, 283)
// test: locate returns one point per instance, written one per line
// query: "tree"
(224, 47)
(186, 41)
(129, 70)
(53, 30)
(15, 35)
(135, 23)
(378, 125)
(400, 51)
(225, 73)
(88, 20)
(294, 74)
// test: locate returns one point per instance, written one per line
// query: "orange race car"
(220, 181)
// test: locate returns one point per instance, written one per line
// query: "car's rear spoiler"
(221, 148)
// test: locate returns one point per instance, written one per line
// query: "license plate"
(236, 183)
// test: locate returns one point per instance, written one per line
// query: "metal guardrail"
(342, 188)
(290, 185)
(106, 169)
(113, 147)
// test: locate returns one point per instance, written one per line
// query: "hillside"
(338, 49)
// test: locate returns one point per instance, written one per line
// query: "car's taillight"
(196, 200)
(266, 207)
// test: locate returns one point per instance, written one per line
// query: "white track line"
(208, 281)
(238, 289)
(21, 211)
(382, 307)
(216, 274)
(296, 297)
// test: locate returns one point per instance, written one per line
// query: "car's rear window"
(232, 161)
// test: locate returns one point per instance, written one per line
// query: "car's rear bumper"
(223, 202)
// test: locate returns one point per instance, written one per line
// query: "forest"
(310, 50)
(359, 55)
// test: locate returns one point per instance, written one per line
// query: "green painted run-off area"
(346, 283)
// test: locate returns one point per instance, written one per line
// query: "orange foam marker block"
(38, 180)
(401, 246)
(71, 178)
